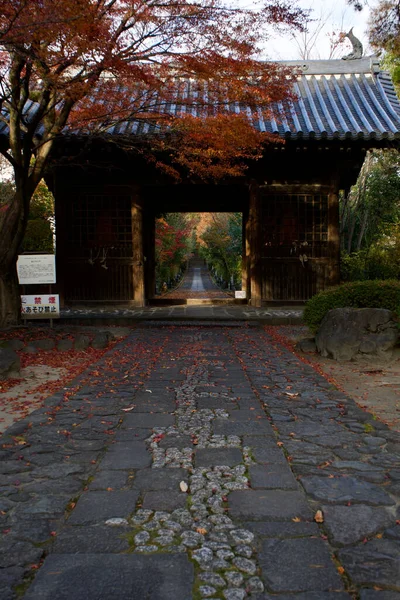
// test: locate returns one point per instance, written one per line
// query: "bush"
(378, 262)
(358, 294)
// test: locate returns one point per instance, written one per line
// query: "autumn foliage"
(173, 244)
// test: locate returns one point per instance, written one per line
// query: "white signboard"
(40, 306)
(36, 268)
(240, 294)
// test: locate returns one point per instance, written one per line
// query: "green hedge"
(357, 294)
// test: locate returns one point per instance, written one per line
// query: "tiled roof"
(336, 99)
(340, 99)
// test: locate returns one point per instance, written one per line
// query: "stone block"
(81, 342)
(10, 363)
(65, 345)
(162, 501)
(97, 507)
(351, 524)
(342, 490)
(44, 344)
(268, 504)
(105, 576)
(127, 455)
(346, 333)
(375, 563)
(148, 420)
(159, 479)
(94, 539)
(211, 457)
(272, 477)
(298, 565)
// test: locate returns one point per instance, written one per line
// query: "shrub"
(378, 262)
(358, 294)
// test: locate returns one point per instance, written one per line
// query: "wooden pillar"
(139, 298)
(245, 278)
(254, 238)
(60, 204)
(333, 238)
(150, 254)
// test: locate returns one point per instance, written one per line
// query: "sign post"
(38, 269)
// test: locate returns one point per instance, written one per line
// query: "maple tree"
(173, 245)
(86, 66)
(220, 243)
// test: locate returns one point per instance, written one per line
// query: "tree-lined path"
(190, 463)
(197, 284)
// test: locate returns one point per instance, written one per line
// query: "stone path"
(197, 284)
(126, 316)
(92, 506)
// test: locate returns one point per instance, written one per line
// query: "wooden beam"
(139, 298)
(60, 204)
(254, 236)
(245, 274)
(333, 238)
(150, 253)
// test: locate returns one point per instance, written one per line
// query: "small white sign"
(240, 294)
(36, 268)
(40, 306)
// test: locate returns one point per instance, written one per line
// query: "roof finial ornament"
(357, 51)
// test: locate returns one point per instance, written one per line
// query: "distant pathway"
(190, 463)
(197, 284)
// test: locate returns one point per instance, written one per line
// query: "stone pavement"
(92, 506)
(227, 312)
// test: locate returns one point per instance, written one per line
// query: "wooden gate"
(295, 259)
(98, 249)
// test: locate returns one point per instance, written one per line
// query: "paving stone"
(148, 420)
(210, 457)
(263, 440)
(9, 577)
(159, 479)
(161, 501)
(234, 594)
(269, 455)
(49, 506)
(127, 455)
(153, 405)
(95, 539)
(267, 504)
(350, 524)
(298, 565)
(245, 565)
(308, 596)
(14, 553)
(131, 434)
(342, 490)
(206, 591)
(97, 507)
(282, 530)
(159, 577)
(176, 441)
(35, 531)
(272, 477)
(225, 427)
(109, 479)
(379, 595)
(373, 563)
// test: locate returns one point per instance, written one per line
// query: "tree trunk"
(10, 304)
(13, 220)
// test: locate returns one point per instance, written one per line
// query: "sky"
(329, 15)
